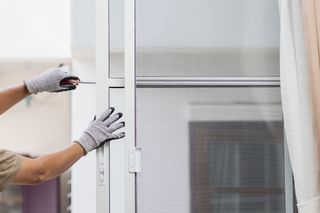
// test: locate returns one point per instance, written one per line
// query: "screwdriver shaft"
(87, 82)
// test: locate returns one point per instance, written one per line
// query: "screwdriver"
(87, 82)
(81, 82)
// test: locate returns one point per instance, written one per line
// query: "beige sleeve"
(10, 164)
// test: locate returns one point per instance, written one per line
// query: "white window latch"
(135, 164)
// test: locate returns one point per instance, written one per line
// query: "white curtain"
(297, 106)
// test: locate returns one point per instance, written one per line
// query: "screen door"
(208, 108)
(201, 96)
(210, 150)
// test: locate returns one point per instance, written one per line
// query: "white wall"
(83, 180)
(83, 193)
(35, 28)
(83, 109)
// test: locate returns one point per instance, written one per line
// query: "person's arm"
(101, 130)
(41, 169)
(12, 95)
(52, 80)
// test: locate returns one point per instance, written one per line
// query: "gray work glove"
(52, 80)
(101, 131)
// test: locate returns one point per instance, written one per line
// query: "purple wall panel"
(43, 198)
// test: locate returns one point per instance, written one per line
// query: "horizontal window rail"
(207, 81)
(197, 82)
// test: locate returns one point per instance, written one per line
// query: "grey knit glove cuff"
(52, 80)
(101, 131)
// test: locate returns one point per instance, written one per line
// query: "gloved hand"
(52, 80)
(101, 131)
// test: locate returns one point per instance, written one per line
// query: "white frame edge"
(130, 100)
(102, 101)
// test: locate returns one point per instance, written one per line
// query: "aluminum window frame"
(104, 84)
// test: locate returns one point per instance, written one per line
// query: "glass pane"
(231, 203)
(234, 160)
(116, 38)
(207, 38)
(210, 150)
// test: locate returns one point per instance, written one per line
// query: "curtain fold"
(311, 23)
(300, 88)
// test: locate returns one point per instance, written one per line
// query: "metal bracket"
(101, 176)
(135, 164)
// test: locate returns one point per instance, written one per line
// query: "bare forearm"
(57, 163)
(12, 95)
(34, 171)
